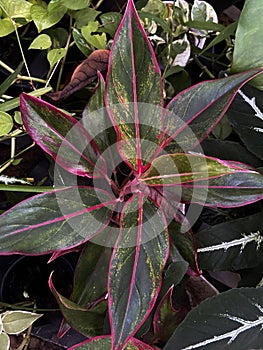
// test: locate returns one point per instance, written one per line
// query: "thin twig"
(64, 58)
(19, 76)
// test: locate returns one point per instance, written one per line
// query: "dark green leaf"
(246, 116)
(232, 320)
(87, 322)
(232, 245)
(91, 275)
(9, 80)
(230, 150)
(185, 243)
(224, 34)
(231, 190)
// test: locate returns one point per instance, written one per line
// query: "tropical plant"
(130, 181)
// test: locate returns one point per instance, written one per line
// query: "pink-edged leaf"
(166, 317)
(136, 268)
(60, 135)
(134, 90)
(56, 220)
(88, 322)
(104, 343)
(201, 107)
(231, 190)
(180, 168)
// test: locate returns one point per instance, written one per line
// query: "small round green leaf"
(76, 4)
(6, 123)
(4, 341)
(17, 117)
(6, 26)
(45, 17)
(55, 55)
(41, 42)
(15, 322)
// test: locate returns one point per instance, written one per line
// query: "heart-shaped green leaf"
(41, 42)
(45, 17)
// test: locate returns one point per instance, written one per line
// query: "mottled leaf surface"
(60, 135)
(90, 282)
(54, 220)
(227, 191)
(134, 80)
(135, 271)
(201, 107)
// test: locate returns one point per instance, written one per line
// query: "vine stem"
(27, 188)
(21, 77)
(64, 58)
(204, 68)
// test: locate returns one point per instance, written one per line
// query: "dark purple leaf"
(84, 74)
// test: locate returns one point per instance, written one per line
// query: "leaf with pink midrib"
(54, 220)
(134, 91)
(201, 107)
(136, 267)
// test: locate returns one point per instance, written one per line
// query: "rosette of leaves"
(140, 158)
